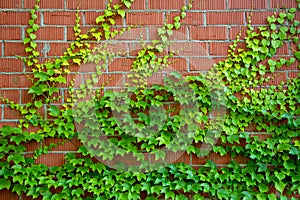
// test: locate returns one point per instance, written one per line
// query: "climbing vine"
(132, 122)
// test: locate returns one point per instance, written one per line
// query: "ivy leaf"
(280, 186)
(263, 188)
(297, 55)
(17, 158)
(60, 79)
(54, 111)
(159, 154)
(272, 196)
(38, 103)
(35, 27)
(222, 194)
(122, 13)
(37, 89)
(177, 25)
(170, 195)
(26, 40)
(127, 4)
(4, 184)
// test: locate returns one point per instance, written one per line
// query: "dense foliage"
(238, 88)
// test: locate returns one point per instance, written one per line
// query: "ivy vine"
(91, 111)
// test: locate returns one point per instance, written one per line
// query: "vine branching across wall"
(110, 123)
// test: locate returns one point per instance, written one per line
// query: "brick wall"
(213, 24)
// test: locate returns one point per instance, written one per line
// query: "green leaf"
(54, 111)
(127, 3)
(38, 103)
(263, 188)
(280, 186)
(222, 194)
(297, 55)
(159, 154)
(177, 25)
(272, 196)
(26, 40)
(100, 19)
(18, 188)
(17, 158)
(122, 13)
(4, 184)
(60, 79)
(177, 19)
(35, 27)
(32, 36)
(38, 90)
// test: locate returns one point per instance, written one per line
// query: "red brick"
(11, 4)
(145, 18)
(90, 18)
(14, 18)
(14, 49)
(275, 78)
(9, 33)
(261, 136)
(192, 18)
(110, 80)
(67, 145)
(51, 159)
(25, 97)
(7, 194)
(119, 47)
(11, 65)
(187, 49)
(241, 159)
(56, 49)
(50, 33)
(120, 64)
(59, 18)
(294, 75)
(128, 160)
(169, 5)
(178, 64)
(132, 34)
(209, 5)
(208, 33)
(236, 30)
(225, 18)
(11, 114)
(212, 156)
(14, 80)
(171, 157)
(201, 64)
(219, 48)
(32, 145)
(84, 5)
(284, 50)
(136, 5)
(58, 4)
(180, 34)
(259, 17)
(134, 48)
(12, 95)
(218, 59)
(107, 80)
(283, 4)
(247, 4)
